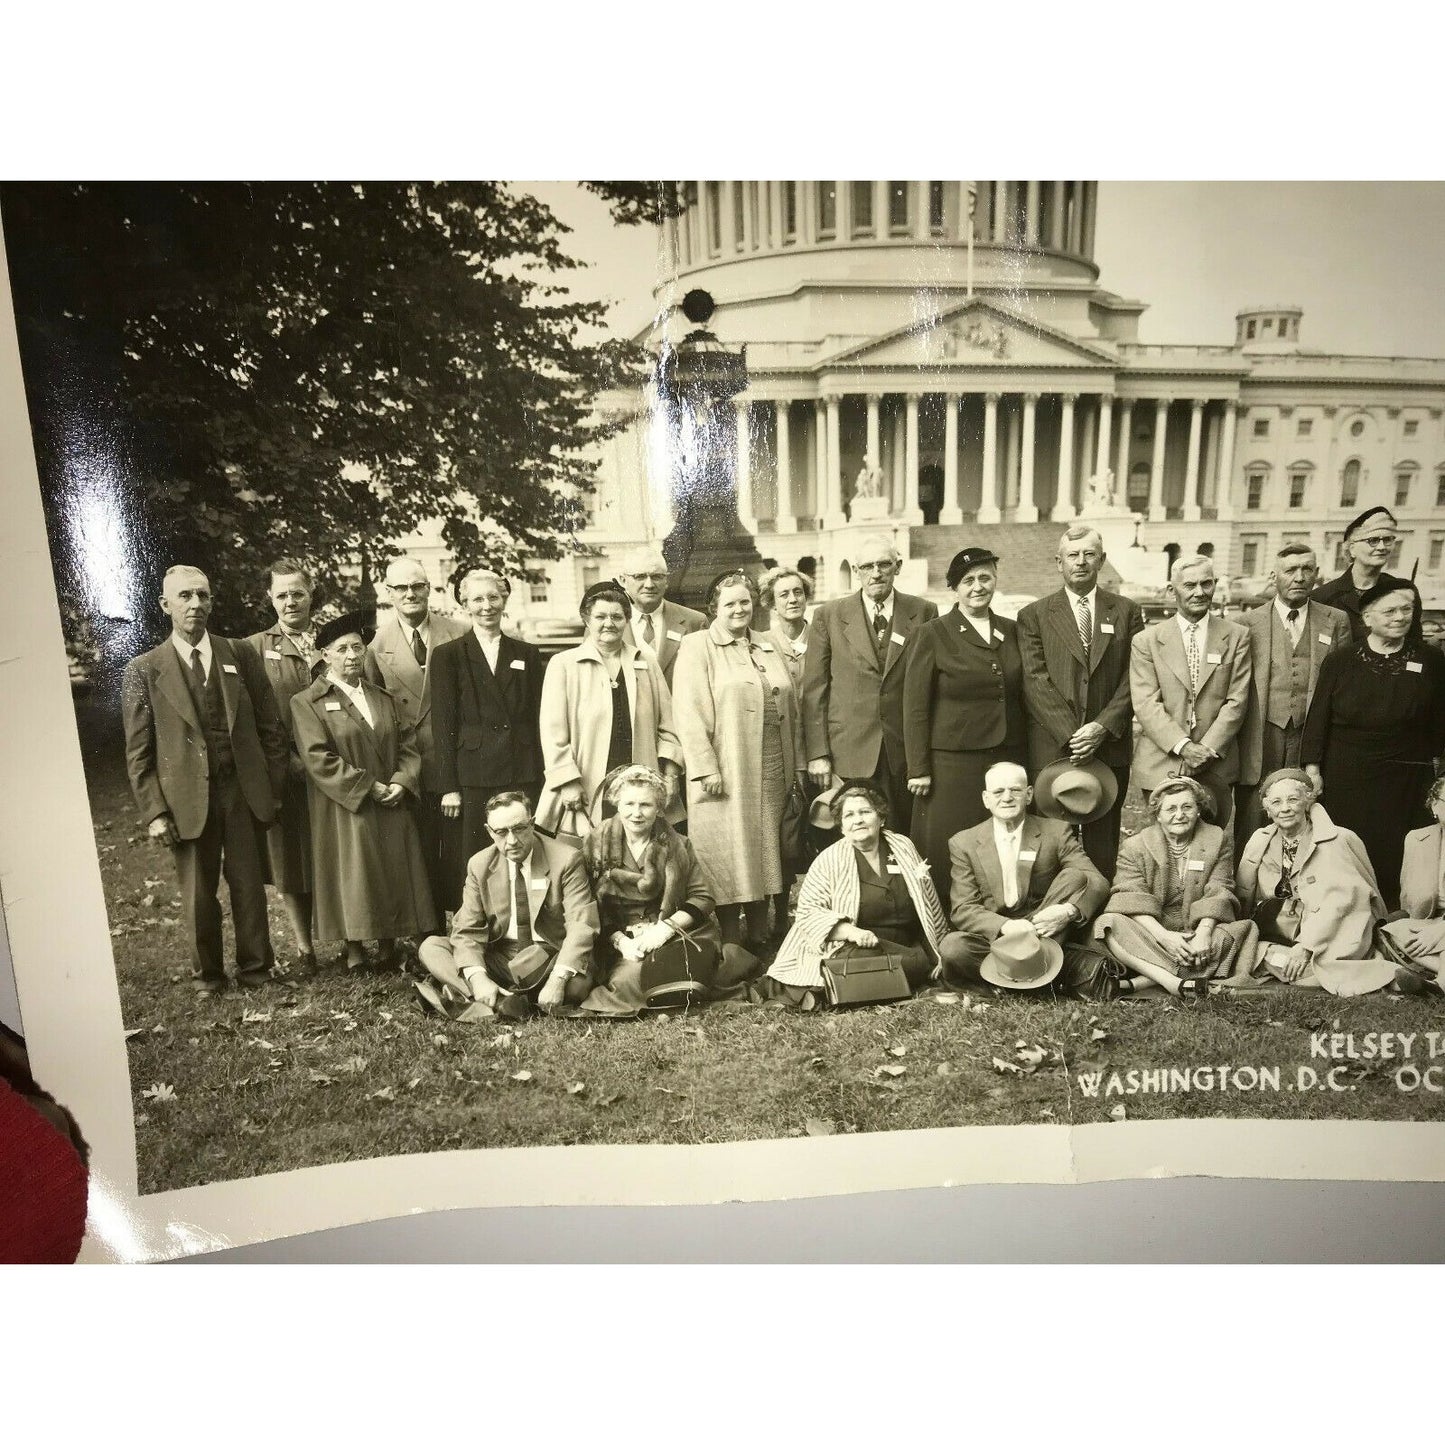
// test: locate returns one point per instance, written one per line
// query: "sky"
(1366, 260)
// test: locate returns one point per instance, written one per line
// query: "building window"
(738, 216)
(1437, 552)
(1402, 487)
(1411, 428)
(1139, 487)
(1283, 327)
(1298, 481)
(1350, 483)
(1254, 491)
(1249, 330)
(827, 192)
(753, 188)
(1303, 427)
(1357, 428)
(537, 586)
(1249, 554)
(898, 224)
(1335, 550)
(935, 207)
(714, 217)
(1440, 489)
(1261, 426)
(790, 212)
(862, 194)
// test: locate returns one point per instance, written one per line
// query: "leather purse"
(856, 975)
(793, 843)
(1278, 919)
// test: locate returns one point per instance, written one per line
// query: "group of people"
(620, 826)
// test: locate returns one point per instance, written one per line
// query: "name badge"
(539, 885)
(1414, 667)
(518, 665)
(673, 635)
(894, 868)
(231, 667)
(765, 647)
(333, 707)
(1325, 638)
(640, 663)
(998, 637)
(1195, 866)
(271, 652)
(799, 648)
(1028, 855)
(1212, 657)
(1106, 627)
(895, 638)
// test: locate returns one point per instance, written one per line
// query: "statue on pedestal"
(869, 482)
(1100, 494)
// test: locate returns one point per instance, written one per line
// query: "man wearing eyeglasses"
(657, 624)
(399, 660)
(852, 698)
(1370, 542)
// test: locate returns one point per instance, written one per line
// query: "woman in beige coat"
(737, 718)
(1417, 941)
(604, 705)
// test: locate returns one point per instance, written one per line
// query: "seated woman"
(658, 938)
(1418, 942)
(1312, 891)
(1173, 918)
(868, 895)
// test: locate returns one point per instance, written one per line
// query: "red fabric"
(43, 1186)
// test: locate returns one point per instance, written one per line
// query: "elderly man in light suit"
(852, 695)
(399, 660)
(657, 624)
(1189, 679)
(523, 936)
(1288, 639)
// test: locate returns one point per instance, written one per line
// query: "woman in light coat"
(604, 705)
(1418, 941)
(737, 720)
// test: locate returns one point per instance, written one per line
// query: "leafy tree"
(222, 373)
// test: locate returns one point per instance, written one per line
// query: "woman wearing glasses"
(1369, 543)
(1374, 726)
(737, 719)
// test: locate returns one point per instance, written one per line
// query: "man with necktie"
(657, 624)
(523, 936)
(1189, 677)
(852, 695)
(1288, 639)
(400, 661)
(207, 758)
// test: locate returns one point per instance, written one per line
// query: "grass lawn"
(335, 1068)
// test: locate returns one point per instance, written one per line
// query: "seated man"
(524, 933)
(1021, 875)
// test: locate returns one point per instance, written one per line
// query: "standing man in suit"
(657, 624)
(853, 681)
(399, 660)
(525, 930)
(486, 693)
(1075, 649)
(1190, 677)
(207, 757)
(1369, 543)
(1288, 639)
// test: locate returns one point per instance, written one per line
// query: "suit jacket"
(165, 739)
(1326, 628)
(1061, 691)
(484, 725)
(1060, 872)
(1143, 876)
(564, 913)
(1159, 683)
(1339, 593)
(961, 693)
(288, 672)
(1420, 872)
(390, 663)
(674, 622)
(852, 707)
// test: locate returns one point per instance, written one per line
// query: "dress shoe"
(206, 986)
(254, 978)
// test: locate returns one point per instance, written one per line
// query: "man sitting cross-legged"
(1022, 887)
(523, 936)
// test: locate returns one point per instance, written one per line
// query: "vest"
(211, 708)
(1289, 686)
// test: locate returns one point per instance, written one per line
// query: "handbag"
(1278, 919)
(857, 975)
(793, 843)
(574, 825)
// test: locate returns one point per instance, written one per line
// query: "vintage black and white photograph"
(687, 662)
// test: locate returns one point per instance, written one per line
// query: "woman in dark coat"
(364, 768)
(1375, 725)
(288, 653)
(963, 710)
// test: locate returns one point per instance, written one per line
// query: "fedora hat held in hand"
(1075, 792)
(1022, 960)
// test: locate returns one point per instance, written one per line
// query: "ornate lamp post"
(695, 379)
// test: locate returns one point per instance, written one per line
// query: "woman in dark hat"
(963, 709)
(364, 770)
(1375, 724)
(1369, 542)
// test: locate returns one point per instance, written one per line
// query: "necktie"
(1292, 623)
(198, 668)
(1086, 625)
(524, 905)
(880, 630)
(418, 648)
(1191, 651)
(1010, 870)
(648, 633)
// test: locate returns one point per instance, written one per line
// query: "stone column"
(783, 519)
(1086, 451)
(1211, 461)
(897, 469)
(1121, 461)
(745, 192)
(834, 453)
(1091, 202)
(1156, 471)
(1012, 445)
(743, 465)
(1224, 484)
(1027, 511)
(1056, 215)
(988, 510)
(775, 214)
(873, 455)
(820, 461)
(967, 199)
(910, 453)
(1106, 421)
(950, 514)
(921, 229)
(1032, 218)
(1064, 510)
(1076, 219)
(1000, 211)
(1191, 466)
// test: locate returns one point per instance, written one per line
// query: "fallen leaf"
(891, 1070)
(819, 1128)
(354, 1065)
(1029, 1055)
(1097, 1036)
(131, 1033)
(438, 1041)
(1118, 1113)
(249, 1126)
(193, 1042)
(1003, 1066)
(522, 1076)
(503, 1040)
(944, 1070)
(385, 1017)
(255, 1016)
(316, 1077)
(898, 1050)
(608, 1101)
(577, 1088)
(149, 901)
(159, 1094)
(412, 1083)
(387, 1094)
(817, 1062)
(1046, 1112)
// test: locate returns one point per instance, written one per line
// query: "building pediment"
(974, 334)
